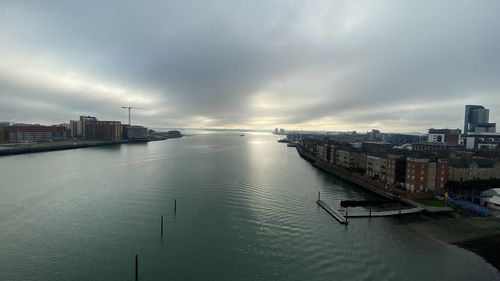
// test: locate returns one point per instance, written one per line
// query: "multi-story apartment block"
(88, 127)
(35, 133)
(134, 132)
(396, 169)
(446, 136)
(348, 157)
(376, 167)
(474, 169)
(426, 174)
(102, 130)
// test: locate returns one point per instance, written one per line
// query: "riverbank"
(477, 234)
(488, 248)
(53, 146)
(374, 186)
(480, 235)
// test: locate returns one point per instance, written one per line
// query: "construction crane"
(129, 108)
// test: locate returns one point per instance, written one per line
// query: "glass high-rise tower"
(477, 120)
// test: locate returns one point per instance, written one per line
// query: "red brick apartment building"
(426, 174)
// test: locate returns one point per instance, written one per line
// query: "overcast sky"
(331, 65)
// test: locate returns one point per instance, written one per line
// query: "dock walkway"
(342, 215)
(332, 212)
(381, 213)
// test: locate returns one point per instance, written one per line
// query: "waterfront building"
(134, 132)
(426, 174)
(174, 134)
(88, 127)
(102, 130)
(376, 167)
(396, 169)
(473, 169)
(84, 120)
(359, 156)
(323, 153)
(35, 133)
(3, 131)
(333, 154)
(75, 128)
(348, 157)
(476, 120)
(344, 158)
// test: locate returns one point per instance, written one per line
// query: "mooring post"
(136, 268)
(319, 195)
(400, 210)
(161, 225)
(370, 212)
(175, 206)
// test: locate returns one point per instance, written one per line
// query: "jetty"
(342, 219)
(369, 214)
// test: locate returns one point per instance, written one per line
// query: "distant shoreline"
(55, 146)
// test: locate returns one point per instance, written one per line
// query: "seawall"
(55, 146)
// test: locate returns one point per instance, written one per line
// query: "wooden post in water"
(370, 212)
(319, 195)
(400, 209)
(161, 225)
(136, 268)
(175, 206)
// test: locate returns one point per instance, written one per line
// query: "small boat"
(242, 135)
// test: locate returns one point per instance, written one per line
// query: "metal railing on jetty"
(342, 219)
(342, 215)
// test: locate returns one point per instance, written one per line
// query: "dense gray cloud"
(334, 65)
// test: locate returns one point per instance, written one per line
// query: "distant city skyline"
(316, 65)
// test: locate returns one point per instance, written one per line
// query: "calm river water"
(245, 211)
